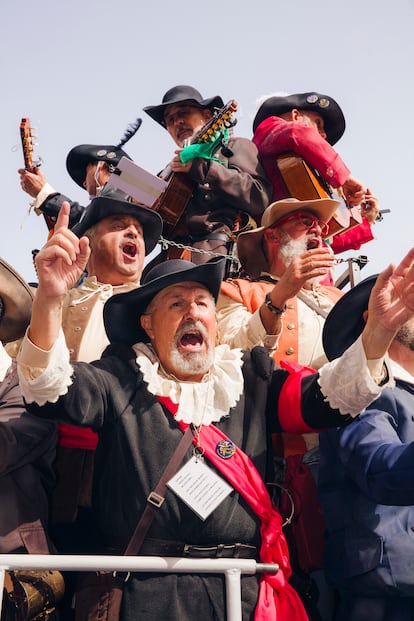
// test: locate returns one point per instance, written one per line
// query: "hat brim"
(250, 243)
(345, 321)
(80, 156)
(101, 207)
(122, 312)
(157, 112)
(333, 117)
(17, 300)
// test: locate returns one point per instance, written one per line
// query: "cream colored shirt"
(95, 294)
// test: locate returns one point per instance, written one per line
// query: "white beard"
(290, 248)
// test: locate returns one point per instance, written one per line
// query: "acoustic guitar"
(304, 183)
(173, 201)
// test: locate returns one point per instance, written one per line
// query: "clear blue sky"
(83, 70)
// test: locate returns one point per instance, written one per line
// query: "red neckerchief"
(277, 600)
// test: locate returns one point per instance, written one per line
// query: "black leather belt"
(162, 547)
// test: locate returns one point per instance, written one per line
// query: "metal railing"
(232, 568)
(352, 274)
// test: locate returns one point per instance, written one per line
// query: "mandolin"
(304, 183)
(173, 201)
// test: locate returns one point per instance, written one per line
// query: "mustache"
(184, 128)
(191, 326)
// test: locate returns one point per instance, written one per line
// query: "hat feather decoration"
(130, 131)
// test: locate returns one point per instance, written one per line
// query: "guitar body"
(172, 203)
(304, 183)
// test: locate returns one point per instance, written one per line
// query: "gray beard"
(405, 336)
(290, 248)
(192, 362)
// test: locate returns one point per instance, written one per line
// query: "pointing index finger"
(63, 216)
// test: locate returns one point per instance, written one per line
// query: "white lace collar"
(202, 402)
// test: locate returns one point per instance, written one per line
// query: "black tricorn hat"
(334, 120)
(83, 154)
(122, 312)
(181, 94)
(16, 298)
(345, 321)
(114, 202)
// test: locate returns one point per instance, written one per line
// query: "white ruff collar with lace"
(200, 403)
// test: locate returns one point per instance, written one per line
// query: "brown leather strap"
(34, 537)
(156, 498)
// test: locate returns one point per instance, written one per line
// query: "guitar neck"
(27, 143)
(221, 119)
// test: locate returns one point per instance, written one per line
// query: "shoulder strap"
(156, 498)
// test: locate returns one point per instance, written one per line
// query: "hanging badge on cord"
(199, 487)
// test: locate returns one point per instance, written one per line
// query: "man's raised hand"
(62, 260)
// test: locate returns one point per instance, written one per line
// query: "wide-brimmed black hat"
(114, 202)
(181, 94)
(345, 321)
(16, 298)
(327, 107)
(83, 154)
(122, 312)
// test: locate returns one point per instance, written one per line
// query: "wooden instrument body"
(304, 183)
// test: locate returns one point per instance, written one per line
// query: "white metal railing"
(232, 568)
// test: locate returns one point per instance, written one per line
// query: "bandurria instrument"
(173, 201)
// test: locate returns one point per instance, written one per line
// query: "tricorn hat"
(114, 202)
(80, 156)
(345, 321)
(83, 154)
(16, 298)
(181, 94)
(327, 107)
(122, 312)
(250, 243)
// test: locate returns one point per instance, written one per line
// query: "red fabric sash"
(277, 600)
(71, 436)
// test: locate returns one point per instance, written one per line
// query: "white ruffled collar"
(200, 403)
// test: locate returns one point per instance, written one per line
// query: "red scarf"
(277, 600)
